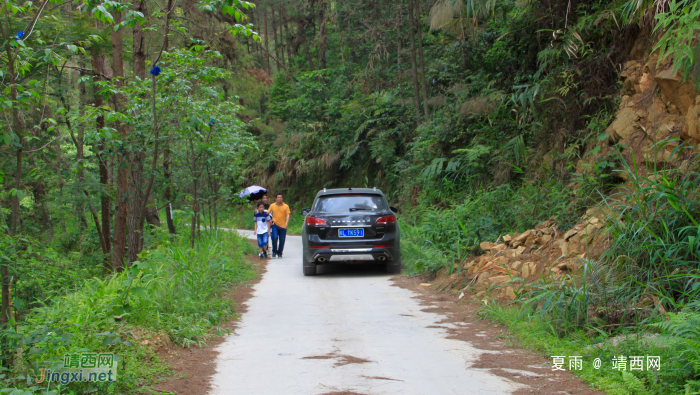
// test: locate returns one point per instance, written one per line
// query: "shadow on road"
(341, 270)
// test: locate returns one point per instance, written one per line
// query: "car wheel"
(309, 270)
(393, 267)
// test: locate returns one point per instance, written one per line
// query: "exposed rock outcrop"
(520, 259)
(657, 109)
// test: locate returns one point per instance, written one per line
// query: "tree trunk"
(80, 153)
(286, 36)
(216, 201)
(152, 216)
(166, 39)
(137, 157)
(99, 64)
(44, 213)
(194, 195)
(267, 45)
(122, 163)
(19, 130)
(274, 37)
(414, 74)
(308, 57)
(167, 195)
(398, 57)
(421, 63)
(17, 125)
(322, 35)
(399, 41)
(61, 184)
(100, 234)
(135, 201)
(255, 27)
(140, 41)
(166, 153)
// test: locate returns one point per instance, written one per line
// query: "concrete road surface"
(346, 329)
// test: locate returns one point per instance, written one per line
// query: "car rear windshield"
(347, 203)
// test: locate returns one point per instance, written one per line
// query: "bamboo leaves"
(679, 26)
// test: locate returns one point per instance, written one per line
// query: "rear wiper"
(358, 209)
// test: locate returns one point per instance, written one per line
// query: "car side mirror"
(305, 212)
(394, 209)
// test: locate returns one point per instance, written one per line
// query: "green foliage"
(433, 236)
(171, 288)
(603, 296)
(684, 331)
(657, 231)
(675, 376)
(281, 92)
(645, 11)
(679, 40)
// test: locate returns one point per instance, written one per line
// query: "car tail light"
(383, 246)
(319, 247)
(313, 221)
(386, 220)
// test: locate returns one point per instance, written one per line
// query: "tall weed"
(171, 288)
(654, 226)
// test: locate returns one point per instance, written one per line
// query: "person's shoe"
(265, 253)
(261, 256)
(279, 256)
(274, 255)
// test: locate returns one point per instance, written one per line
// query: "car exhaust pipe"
(381, 258)
(322, 259)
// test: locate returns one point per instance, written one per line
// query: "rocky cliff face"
(658, 112)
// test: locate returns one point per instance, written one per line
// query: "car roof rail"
(324, 189)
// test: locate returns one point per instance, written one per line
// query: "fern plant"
(684, 326)
(603, 295)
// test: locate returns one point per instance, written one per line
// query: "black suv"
(350, 225)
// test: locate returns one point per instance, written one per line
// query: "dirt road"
(343, 332)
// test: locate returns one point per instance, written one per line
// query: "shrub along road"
(349, 331)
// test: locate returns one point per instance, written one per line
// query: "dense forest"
(128, 130)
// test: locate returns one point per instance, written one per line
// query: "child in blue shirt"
(262, 228)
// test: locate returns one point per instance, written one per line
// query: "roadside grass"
(678, 354)
(172, 288)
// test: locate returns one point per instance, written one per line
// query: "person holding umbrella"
(253, 192)
(264, 201)
(280, 213)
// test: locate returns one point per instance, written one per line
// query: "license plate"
(354, 232)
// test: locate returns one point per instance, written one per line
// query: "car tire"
(393, 267)
(309, 270)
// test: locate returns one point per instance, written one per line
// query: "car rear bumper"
(350, 254)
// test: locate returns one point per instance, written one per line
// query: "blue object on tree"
(155, 70)
(212, 122)
(20, 34)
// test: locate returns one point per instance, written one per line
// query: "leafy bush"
(171, 288)
(655, 229)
